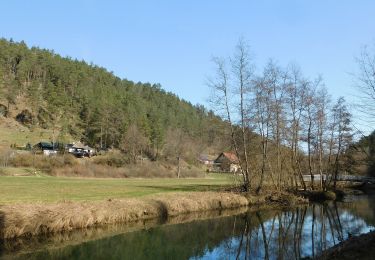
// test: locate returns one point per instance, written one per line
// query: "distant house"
(44, 148)
(89, 151)
(205, 159)
(227, 162)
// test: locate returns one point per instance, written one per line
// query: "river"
(304, 231)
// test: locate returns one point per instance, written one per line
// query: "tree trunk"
(178, 167)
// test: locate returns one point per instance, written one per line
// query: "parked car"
(78, 152)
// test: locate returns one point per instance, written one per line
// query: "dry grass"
(15, 248)
(113, 158)
(89, 170)
(34, 219)
(42, 162)
(97, 167)
(12, 132)
(144, 170)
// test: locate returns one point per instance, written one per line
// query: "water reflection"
(293, 234)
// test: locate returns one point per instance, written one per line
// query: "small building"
(205, 159)
(44, 148)
(89, 151)
(227, 162)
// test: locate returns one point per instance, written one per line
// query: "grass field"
(24, 189)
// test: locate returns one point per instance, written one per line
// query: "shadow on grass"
(2, 226)
(200, 187)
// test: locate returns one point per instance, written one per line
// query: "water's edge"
(253, 232)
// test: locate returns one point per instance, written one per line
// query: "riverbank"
(27, 220)
(360, 247)
(23, 220)
(18, 247)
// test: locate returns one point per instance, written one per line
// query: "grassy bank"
(38, 204)
(22, 220)
(15, 248)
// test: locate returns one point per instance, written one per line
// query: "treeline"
(301, 131)
(362, 155)
(90, 104)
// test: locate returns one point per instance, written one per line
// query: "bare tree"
(322, 103)
(134, 142)
(309, 124)
(230, 90)
(261, 118)
(366, 81)
(343, 133)
(242, 77)
(277, 82)
(295, 97)
(179, 146)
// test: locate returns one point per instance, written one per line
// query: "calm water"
(293, 234)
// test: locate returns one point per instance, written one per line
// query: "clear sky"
(172, 42)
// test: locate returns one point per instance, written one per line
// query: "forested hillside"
(285, 127)
(86, 102)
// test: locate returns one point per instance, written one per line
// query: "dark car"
(79, 152)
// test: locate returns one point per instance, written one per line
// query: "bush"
(111, 165)
(320, 196)
(5, 155)
(144, 170)
(42, 162)
(114, 159)
(90, 170)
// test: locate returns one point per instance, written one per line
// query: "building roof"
(44, 146)
(78, 145)
(206, 157)
(232, 157)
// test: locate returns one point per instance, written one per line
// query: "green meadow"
(40, 188)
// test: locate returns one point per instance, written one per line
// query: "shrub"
(42, 162)
(5, 155)
(89, 170)
(114, 159)
(144, 170)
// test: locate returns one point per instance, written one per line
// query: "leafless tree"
(342, 134)
(296, 90)
(230, 89)
(309, 125)
(366, 81)
(242, 69)
(322, 104)
(134, 142)
(175, 147)
(277, 81)
(260, 109)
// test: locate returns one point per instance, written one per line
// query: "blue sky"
(172, 42)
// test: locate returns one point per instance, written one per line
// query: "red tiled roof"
(232, 157)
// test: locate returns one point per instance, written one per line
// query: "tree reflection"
(295, 234)
(290, 234)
